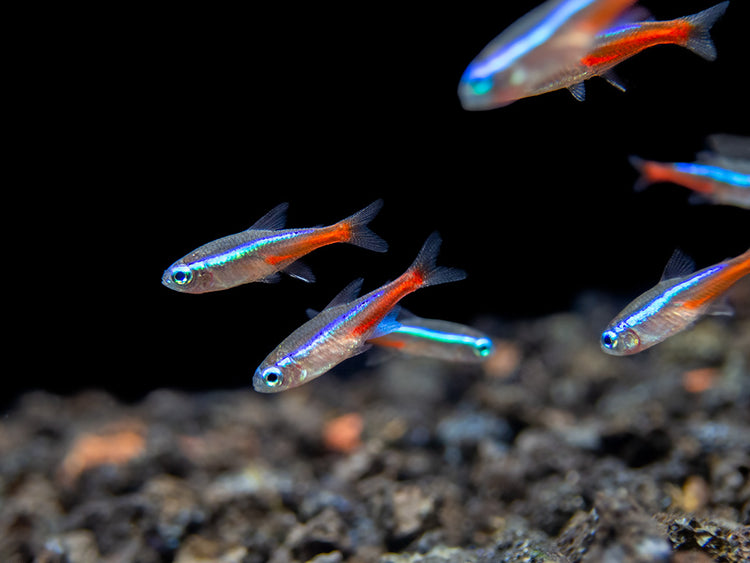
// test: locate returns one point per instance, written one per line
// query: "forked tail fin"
(424, 265)
(699, 39)
(643, 181)
(359, 233)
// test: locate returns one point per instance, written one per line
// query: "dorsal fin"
(679, 265)
(349, 293)
(635, 14)
(273, 220)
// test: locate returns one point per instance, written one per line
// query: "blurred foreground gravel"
(551, 451)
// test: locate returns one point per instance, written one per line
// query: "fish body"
(264, 250)
(342, 329)
(718, 184)
(673, 305)
(534, 50)
(606, 49)
(622, 42)
(439, 339)
(619, 43)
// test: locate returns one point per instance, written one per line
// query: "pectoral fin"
(578, 91)
(721, 307)
(300, 270)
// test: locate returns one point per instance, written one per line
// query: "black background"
(159, 129)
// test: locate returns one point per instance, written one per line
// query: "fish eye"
(483, 347)
(481, 86)
(182, 275)
(609, 339)
(272, 376)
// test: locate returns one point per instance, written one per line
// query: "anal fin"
(614, 80)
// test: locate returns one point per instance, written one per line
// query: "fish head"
(480, 89)
(278, 376)
(187, 278)
(620, 341)
(482, 347)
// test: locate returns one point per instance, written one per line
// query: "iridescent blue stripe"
(715, 173)
(322, 335)
(436, 335)
(665, 298)
(506, 56)
(613, 32)
(243, 250)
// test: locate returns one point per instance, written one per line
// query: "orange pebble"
(699, 380)
(342, 434)
(92, 449)
(504, 360)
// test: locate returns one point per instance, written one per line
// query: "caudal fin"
(699, 40)
(642, 182)
(360, 234)
(424, 265)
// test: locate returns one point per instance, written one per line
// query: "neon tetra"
(674, 304)
(343, 328)
(264, 250)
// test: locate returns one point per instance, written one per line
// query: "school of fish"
(559, 44)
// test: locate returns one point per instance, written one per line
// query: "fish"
(681, 297)
(261, 252)
(609, 46)
(342, 329)
(533, 50)
(621, 42)
(717, 184)
(436, 338)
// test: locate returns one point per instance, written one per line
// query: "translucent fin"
(721, 307)
(699, 40)
(300, 270)
(361, 349)
(273, 278)
(405, 313)
(698, 199)
(346, 295)
(425, 264)
(679, 265)
(361, 235)
(614, 80)
(642, 182)
(731, 146)
(632, 15)
(273, 220)
(735, 164)
(378, 357)
(578, 91)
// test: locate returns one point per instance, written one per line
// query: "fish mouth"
(261, 387)
(258, 385)
(470, 101)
